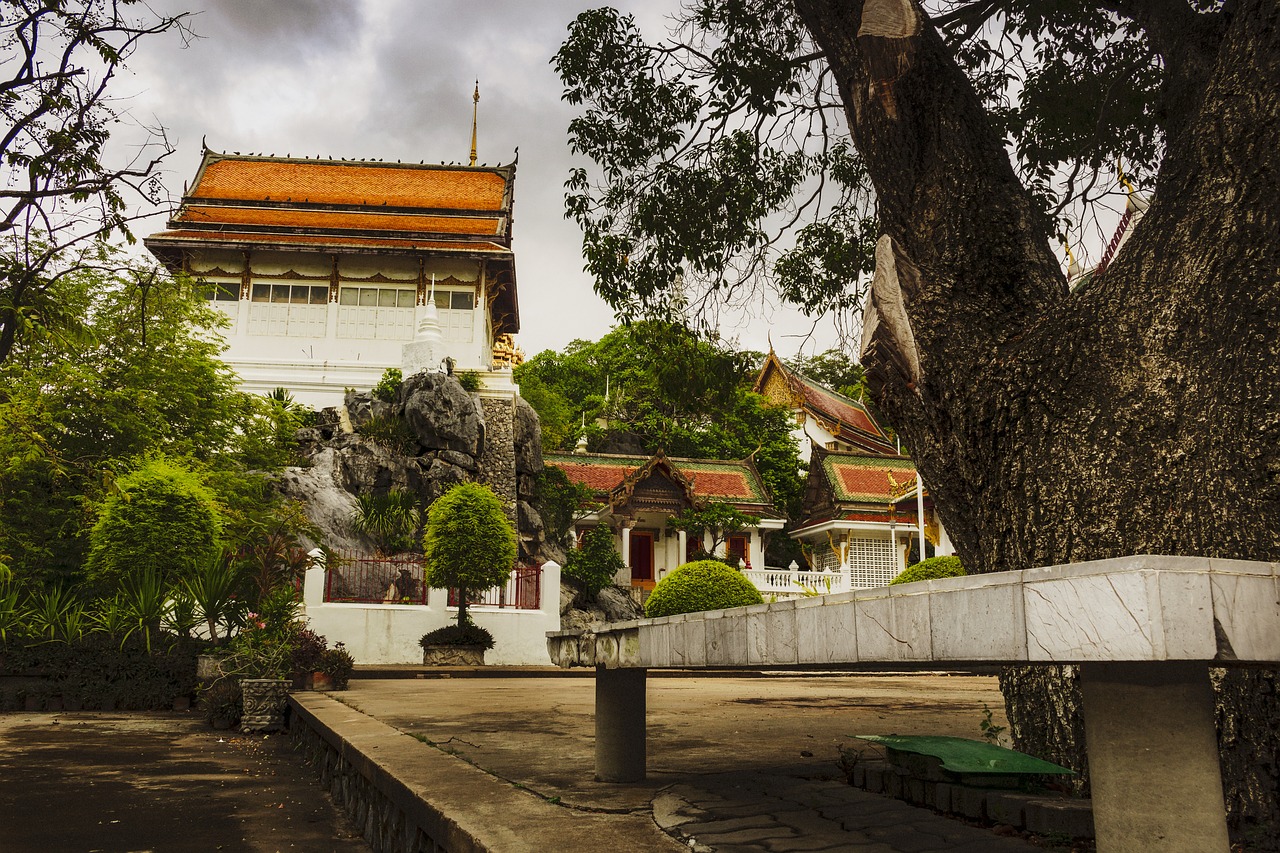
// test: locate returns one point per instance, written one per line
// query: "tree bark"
(1139, 414)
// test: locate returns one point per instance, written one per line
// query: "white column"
(920, 510)
(626, 547)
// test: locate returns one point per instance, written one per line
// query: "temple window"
(386, 313)
(288, 308)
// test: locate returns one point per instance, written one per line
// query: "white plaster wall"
(389, 633)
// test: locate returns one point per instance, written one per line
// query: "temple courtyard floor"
(736, 763)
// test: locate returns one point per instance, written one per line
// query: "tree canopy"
(668, 389)
(721, 159)
(62, 190)
(469, 543)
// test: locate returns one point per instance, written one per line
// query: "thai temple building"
(326, 269)
(863, 503)
(637, 495)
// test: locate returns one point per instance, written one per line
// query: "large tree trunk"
(1139, 414)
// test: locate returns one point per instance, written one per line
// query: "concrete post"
(620, 725)
(1153, 757)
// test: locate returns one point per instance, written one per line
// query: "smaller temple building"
(635, 496)
(862, 500)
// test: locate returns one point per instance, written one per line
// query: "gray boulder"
(528, 438)
(442, 415)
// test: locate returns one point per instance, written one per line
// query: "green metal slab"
(970, 757)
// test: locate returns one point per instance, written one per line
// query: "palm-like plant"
(111, 616)
(47, 611)
(11, 612)
(146, 601)
(212, 588)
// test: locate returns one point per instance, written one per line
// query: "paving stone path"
(757, 813)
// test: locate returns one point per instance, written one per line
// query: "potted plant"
(222, 703)
(469, 546)
(308, 653)
(336, 666)
(261, 658)
(455, 645)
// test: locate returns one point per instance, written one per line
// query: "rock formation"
(434, 435)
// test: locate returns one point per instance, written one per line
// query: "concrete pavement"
(735, 764)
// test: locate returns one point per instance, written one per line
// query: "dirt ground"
(165, 783)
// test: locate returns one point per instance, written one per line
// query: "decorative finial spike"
(475, 108)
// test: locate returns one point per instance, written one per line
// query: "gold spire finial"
(475, 106)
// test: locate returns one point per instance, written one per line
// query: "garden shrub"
(597, 562)
(932, 569)
(457, 635)
(470, 544)
(701, 585)
(160, 517)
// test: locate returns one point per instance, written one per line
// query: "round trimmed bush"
(701, 585)
(932, 569)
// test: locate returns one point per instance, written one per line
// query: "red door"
(642, 559)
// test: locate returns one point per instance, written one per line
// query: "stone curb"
(405, 795)
(1041, 815)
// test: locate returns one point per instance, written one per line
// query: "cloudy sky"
(392, 79)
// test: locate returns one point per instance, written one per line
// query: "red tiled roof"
(858, 478)
(335, 241)
(336, 220)
(839, 407)
(350, 183)
(731, 481)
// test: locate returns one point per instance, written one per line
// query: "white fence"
(794, 583)
(387, 633)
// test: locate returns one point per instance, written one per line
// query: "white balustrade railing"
(776, 581)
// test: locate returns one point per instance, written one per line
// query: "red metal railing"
(522, 591)
(352, 577)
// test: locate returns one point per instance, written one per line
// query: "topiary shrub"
(458, 635)
(470, 544)
(932, 569)
(160, 518)
(701, 585)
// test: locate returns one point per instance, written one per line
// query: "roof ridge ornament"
(475, 108)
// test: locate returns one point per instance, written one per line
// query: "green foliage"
(701, 585)
(669, 389)
(338, 664)
(308, 650)
(558, 501)
(393, 433)
(835, 369)
(597, 562)
(160, 518)
(388, 388)
(146, 600)
(65, 186)
(469, 544)
(991, 730)
(391, 519)
(105, 673)
(931, 569)
(212, 586)
(709, 145)
(717, 518)
(458, 635)
(469, 380)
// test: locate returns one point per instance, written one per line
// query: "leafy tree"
(160, 519)
(668, 389)
(717, 518)
(62, 189)
(469, 544)
(1051, 424)
(834, 368)
(597, 562)
(559, 501)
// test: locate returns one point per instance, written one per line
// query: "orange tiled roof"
(335, 220)
(325, 240)
(350, 183)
